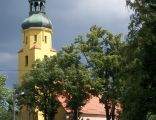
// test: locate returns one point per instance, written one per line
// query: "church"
(37, 44)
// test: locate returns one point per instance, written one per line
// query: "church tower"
(37, 37)
(36, 44)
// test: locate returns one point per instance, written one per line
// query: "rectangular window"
(45, 56)
(26, 60)
(35, 38)
(45, 39)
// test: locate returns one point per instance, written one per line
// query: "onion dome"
(37, 16)
(37, 20)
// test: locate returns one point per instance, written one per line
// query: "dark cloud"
(69, 18)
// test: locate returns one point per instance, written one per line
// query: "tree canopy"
(102, 53)
(140, 96)
(42, 86)
(6, 101)
(77, 82)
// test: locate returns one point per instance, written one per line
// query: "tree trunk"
(113, 111)
(113, 103)
(107, 110)
(50, 117)
(75, 115)
(45, 115)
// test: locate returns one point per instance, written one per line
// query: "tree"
(76, 79)
(42, 86)
(3, 89)
(101, 51)
(140, 95)
(6, 106)
(63, 74)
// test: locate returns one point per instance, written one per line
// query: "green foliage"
(102, 52)
(63, 74)
(3, 89)
(6, 106)
(139, 97)
(42, 86)
(152, 117)
(76, 79)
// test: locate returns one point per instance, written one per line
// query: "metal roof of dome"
(37, 20)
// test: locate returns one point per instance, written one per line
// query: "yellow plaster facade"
(37, 44)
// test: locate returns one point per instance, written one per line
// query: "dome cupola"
(37, 15)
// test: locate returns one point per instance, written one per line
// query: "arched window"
(41, 7)
(26, 60)
(32, 7)
(36, 5)
(45, 39)
(35, 38)
(45, 56)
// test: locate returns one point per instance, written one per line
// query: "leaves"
(102, 53)
(41, 86)
(6, 101)
(76, 78)
(140, 61)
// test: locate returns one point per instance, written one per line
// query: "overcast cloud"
(69, 19)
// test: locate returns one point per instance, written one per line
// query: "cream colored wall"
(92, 117)
(40, 116)
(34, 50)
(22, 68)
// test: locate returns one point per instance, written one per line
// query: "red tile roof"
(20, 50)
(92, 106)
(53, 50)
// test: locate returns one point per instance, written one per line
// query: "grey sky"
(69, 19)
